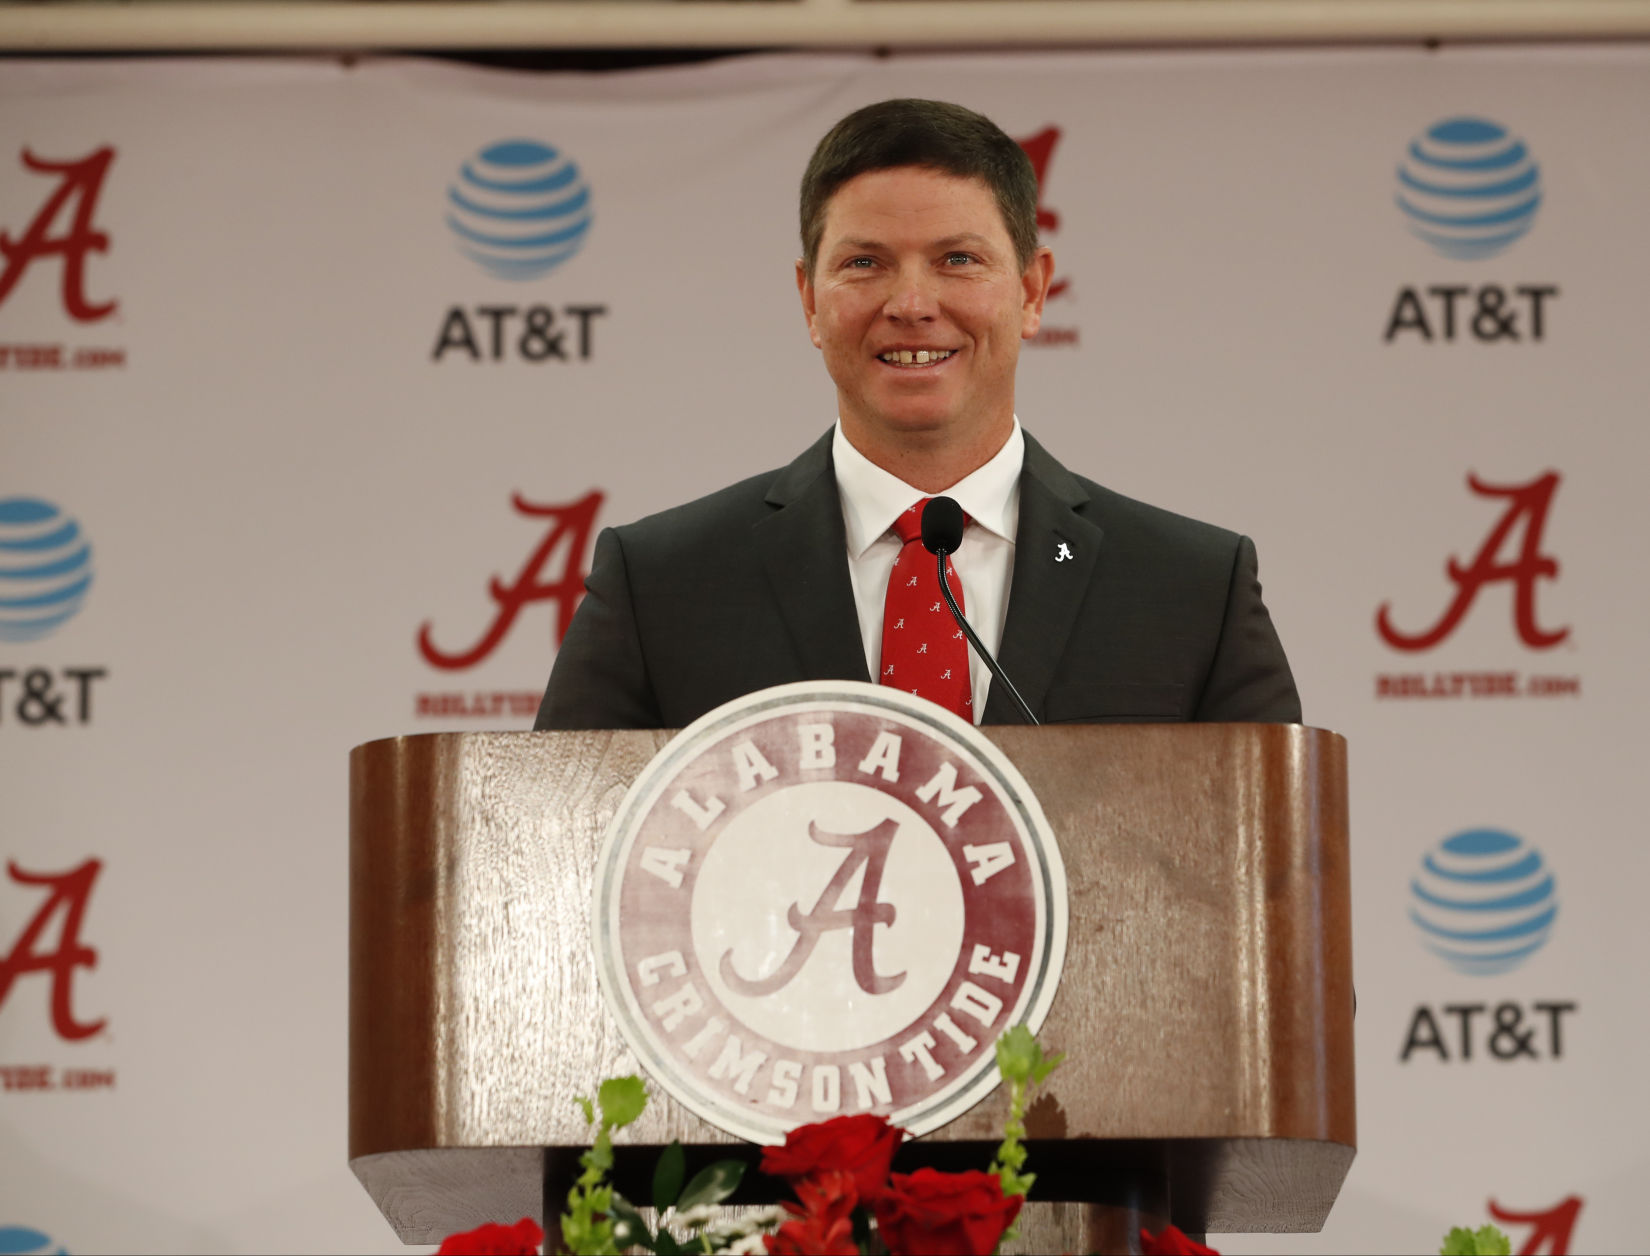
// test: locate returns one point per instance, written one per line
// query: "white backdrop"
(282, 481)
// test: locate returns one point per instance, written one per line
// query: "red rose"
(521, 1239)
(946, 1214)
(1170, 1241)
(861, 1145)
(822, 1224)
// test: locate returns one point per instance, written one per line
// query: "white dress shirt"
(873, 498)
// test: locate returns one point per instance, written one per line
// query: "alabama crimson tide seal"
(828, 898)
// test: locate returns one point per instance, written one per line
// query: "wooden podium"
(1206, 1003)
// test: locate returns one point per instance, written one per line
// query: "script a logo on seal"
(824, 899)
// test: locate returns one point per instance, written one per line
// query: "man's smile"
(914, 357)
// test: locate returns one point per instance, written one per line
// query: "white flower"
(755, 1219)
(698, 1215)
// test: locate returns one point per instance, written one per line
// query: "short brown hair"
(928, 133)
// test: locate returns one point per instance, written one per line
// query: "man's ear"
(805, 289)
(1035, 285)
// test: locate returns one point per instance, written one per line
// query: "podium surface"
(1205, 1005)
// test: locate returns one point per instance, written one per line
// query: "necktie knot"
(908, 526)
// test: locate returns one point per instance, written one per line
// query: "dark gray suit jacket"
(1155, 618)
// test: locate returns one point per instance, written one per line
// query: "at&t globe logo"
(45, 568)
(22, 1240)
(1484, 901)
(519, 208)
(1468, 188)
(824, 899)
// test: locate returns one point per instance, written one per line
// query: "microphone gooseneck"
(942, 531)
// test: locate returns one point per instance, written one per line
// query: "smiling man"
(918, 298)
(920, 276)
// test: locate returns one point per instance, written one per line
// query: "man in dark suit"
(920, 276)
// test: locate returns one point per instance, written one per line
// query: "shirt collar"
(873, 498)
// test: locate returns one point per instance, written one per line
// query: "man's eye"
(861, 263)
(958, 259)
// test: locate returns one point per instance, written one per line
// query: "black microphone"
(942, 532)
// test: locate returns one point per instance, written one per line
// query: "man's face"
(919, 305)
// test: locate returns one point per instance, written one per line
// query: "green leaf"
(601, 1239)
(1459, 1242)
(622, 1100)
(630, 1230)
(666, 1245)
(1043, 1067)
(1012, 1157)
(1487, 1240)
(668, 1175)
(582, 1236)
(599, 1158)
(712, 1184)
(1015, 1183)
(1017, 1054)
(1020, 1058)
(589, 1112)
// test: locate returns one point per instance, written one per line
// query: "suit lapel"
(804, 552)
(1049, 583)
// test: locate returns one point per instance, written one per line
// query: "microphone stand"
(940, 556)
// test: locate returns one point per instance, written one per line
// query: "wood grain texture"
(1206, 1000)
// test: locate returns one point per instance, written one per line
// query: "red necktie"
(923, 650)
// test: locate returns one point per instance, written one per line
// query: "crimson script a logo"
(828, 898)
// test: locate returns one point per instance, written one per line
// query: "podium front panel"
(1205, 1007)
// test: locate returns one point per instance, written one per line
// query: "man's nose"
(912, 299)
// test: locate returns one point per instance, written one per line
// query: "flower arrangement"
(848, 1201)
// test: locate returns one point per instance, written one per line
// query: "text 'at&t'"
(1464, 1032)
(1490, 314)
(39, 696)
(532, 333)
